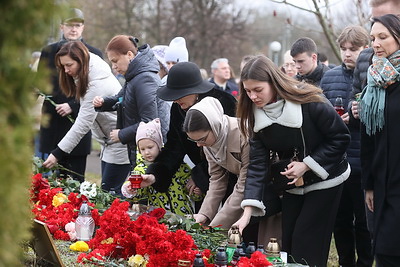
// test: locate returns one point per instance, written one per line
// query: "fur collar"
(291, 116)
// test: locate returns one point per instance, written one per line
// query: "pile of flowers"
(153, 239)
(52, 206)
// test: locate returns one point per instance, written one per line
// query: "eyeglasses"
(73, 25)
(202, 140)
(287, 65)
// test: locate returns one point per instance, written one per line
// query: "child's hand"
(197, 191)
(190, 186)
(127, 190)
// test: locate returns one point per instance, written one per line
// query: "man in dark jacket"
(58, 119)
(305, 55)
(351, 232)
(221, 76)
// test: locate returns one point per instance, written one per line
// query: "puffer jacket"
(326, 138)
(360, 71)
(338, 82)
(137, 101)
(101, 82)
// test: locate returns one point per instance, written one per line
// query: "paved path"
(93, 163)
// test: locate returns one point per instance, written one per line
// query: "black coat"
(326, 138)
(380, 162)
(177, 146)
(338, 82)
(53, 130)
(315, 76)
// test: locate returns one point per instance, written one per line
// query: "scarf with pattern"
(382, 73)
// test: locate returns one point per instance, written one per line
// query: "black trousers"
(307, 225)
(113, 176)
(77, 164)
(387, 261)
(351, 231)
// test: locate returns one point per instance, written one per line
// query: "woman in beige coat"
(226, 150)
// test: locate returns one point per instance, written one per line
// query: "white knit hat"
(159, 52)
(177, 51)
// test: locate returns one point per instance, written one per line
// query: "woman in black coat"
(380, 140)
(293, 121)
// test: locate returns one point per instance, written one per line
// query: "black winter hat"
(184, 78)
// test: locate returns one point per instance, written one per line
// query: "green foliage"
(24, 29)
(205, 237)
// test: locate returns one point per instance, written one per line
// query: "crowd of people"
(267, 152)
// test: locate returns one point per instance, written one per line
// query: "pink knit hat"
(150, 130)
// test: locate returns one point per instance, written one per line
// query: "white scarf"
(214, 112)
(282, 112)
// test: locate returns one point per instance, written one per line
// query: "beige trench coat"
(237, 161)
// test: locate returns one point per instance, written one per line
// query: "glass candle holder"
(135, 179)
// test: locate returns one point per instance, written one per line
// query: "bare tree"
(322, 10)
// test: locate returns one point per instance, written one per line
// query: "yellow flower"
(80, 246)
(137, 261)
(109, 240)
(59, 199)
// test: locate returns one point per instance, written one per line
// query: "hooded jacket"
(138, 100)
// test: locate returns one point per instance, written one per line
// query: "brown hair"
(303, 45)
(261, 68)
(121, 44)
(78, 52)
(356, 35)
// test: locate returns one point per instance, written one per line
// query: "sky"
(336, 4)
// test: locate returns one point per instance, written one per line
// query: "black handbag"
(278, 165)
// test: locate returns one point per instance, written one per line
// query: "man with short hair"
(305, 55)
(221, 76)
(351, 232)
(58, 123)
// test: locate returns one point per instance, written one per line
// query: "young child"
(176, 199)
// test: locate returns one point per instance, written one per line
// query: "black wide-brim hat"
(184, 78)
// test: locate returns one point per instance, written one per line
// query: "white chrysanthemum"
(92, 193)
(85, 186)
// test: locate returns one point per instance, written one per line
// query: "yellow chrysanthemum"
(109, 240)
(80, 246)
(137, 261)
(59, 199)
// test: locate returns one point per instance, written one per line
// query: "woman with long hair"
(297, 142)
(84, 75)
